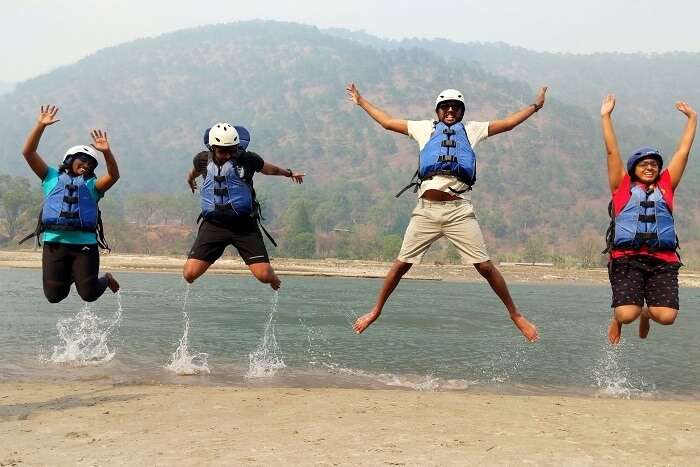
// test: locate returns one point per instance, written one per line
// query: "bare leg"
(498, 284)
(392, 279)
(644, 323)
(265, 274)
(194, 268)
(623, 314)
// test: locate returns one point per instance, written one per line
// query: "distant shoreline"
(333, 267)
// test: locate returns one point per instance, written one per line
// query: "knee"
(88, 294)
(265, 276)
(667, 318)
(485, 269)
(55, 296)
(400, 268)
(627, 314)
(189, 276)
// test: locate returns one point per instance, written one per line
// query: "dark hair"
(66, 167)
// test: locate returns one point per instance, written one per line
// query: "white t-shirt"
(420, 131)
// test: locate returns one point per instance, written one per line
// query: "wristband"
(536, 107)
(290, 172)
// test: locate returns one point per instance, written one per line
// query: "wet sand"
(343, 268)
(87, 423)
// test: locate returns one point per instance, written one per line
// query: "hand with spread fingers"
(47, 115)
(297, 177)
(687, 110)
(353, 93)
(608, 105)
(99, 138)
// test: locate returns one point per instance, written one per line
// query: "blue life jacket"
(645, 220)
(448, 152)
(70, 206)
(225, 194)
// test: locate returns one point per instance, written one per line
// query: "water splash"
(85, 337)
(316, 342)
(614, 379)
(183, 363)
(266, 359)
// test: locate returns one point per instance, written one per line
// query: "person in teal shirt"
(70, 218)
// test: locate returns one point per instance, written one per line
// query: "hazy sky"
(39, 35)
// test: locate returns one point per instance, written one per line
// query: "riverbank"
(343, 268)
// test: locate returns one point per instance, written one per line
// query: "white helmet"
(223, 134)
(83, 150)
(449, 95)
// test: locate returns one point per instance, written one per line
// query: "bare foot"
(276, 283)
(112, 282)
(614, 331)
(644, 324)
(364, 321)
(528, 329)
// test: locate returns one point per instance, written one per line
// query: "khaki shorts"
(455, 220)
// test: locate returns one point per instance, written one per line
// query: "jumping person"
(230, 213)
(642, 239)
(70, 221)
(447, 171)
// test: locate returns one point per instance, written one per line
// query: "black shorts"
(637, 279)
(213, 238)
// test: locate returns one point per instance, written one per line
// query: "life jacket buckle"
(449, 143)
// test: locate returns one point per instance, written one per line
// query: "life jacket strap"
(70, 214)
(221, 191)
(448, 143)
(647, 204)
(70, 199)
(71, 187)
(447, 158)
(219, 178)
(449, 131)
(222, 207)
(646, 236)
(647, 218)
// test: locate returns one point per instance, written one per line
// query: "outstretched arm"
(616, 168)
(513, 120)
(384, 119)
(269, 169)
(47, 116)
(680, 158)
(100, 143)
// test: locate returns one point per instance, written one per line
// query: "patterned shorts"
(640, 279)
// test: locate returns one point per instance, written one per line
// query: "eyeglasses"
(652, 164)
(450, 105)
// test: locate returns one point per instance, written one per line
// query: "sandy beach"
(91, 424)
(344, 268)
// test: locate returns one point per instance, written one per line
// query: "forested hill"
(543, 182)
(647, 85)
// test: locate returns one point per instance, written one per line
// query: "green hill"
(542, 184)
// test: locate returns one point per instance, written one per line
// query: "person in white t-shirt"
(444, 203)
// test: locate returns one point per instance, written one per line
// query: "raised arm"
(680, 158)
(101, 143)
(384, 119)
(269, 169)
(616, 167)
(515, 119)
(47, 116)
